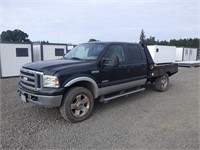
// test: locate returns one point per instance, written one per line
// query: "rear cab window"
(133, 53)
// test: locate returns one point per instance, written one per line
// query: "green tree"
(150, 41)
(196, 43)
(14, 36)
(142, 37)
(193, 43)
(163, 42)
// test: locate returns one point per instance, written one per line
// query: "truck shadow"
(52, 115)
(133, 99)
(122, 101)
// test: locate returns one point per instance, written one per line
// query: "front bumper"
(42, 100)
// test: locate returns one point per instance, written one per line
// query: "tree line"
(20, 36)
(192, 43)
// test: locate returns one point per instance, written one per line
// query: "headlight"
(50, 81)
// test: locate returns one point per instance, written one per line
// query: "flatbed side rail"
(161, 69)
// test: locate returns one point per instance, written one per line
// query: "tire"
(77, 104)
(162, 83)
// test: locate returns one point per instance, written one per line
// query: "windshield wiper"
(76, 58)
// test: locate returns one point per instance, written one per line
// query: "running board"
(120, 95)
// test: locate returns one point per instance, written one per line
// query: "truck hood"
(50, 67)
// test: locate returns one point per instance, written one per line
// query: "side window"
(59, 51)
(134, 53)
(116, 50)
(21, 52)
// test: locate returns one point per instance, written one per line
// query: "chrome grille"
(31, 79)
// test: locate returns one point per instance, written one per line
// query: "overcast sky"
(76, 21)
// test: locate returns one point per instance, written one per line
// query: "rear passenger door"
(136, 62)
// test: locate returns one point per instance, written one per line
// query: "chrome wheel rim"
(164, 82)
(80, 105)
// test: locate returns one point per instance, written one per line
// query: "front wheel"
(77, 104)
(162, 83)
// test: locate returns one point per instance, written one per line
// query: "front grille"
(31, 79)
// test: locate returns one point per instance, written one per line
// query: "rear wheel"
(77, 104)
(162, 83)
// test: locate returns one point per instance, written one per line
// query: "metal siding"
(0, 62)
(49, 51)
(66, 49)
(41, 51)
(185, 55)
(165, 54)
(182, 54)
(179, 54)
(32, 52)
(193, 56)
(152, 51)
(10, 64)
(36, 52)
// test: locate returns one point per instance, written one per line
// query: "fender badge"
(95, 72)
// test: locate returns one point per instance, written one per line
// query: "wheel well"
(84, 84)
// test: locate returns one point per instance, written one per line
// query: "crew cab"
(92, 71)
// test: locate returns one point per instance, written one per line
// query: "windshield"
(87, 51)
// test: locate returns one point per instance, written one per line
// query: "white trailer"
(13, 56)
(198, 54)
(48, 51)
(70, 47)
(162, 54)
(186, 54)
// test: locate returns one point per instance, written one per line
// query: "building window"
(59, 52)
(21, 52)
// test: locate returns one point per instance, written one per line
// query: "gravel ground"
(146, 120)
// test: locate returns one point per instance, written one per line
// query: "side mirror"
(113, 62)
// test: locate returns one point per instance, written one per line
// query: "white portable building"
(48, 51)
(13, 56)
(162, 54)
(70, 47)
(198, 54)
(186, 54)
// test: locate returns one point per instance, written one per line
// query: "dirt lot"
(148, 120)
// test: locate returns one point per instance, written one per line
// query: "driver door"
(113, 75)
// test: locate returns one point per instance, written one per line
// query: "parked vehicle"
(92, 71)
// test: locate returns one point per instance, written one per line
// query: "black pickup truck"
(92, 71)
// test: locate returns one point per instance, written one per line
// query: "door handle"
(128, 69)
